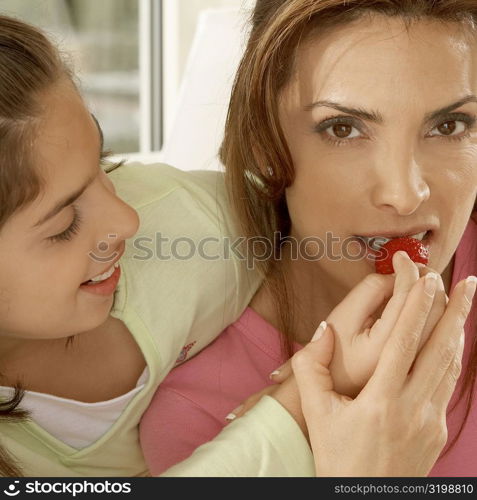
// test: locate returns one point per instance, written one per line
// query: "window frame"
(151, 126)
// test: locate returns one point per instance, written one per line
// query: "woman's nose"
(400, 186)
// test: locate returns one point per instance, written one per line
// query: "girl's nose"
(123, 220)
(120, 221)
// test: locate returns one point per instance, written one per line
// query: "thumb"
(311, 369)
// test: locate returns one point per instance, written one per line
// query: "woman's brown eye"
(342, 131)
(447, 128)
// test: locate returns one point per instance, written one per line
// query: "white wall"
(180, 21)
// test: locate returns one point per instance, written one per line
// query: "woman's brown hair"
(254, 145)
(29, 66)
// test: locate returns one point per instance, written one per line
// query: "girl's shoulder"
(141, 184)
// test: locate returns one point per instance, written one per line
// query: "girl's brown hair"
(29, 65)
(254, 145)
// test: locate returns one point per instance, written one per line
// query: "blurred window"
(130, 57)
(102, 38)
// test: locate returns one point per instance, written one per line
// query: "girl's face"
(74, 231)
(381, 125)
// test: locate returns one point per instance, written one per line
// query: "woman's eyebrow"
(434, 115)
(371, 116)
(376, 117)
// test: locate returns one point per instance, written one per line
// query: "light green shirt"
(183, 281)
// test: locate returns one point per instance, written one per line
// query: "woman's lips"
(376, 242)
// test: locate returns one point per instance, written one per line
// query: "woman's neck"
(313, 301)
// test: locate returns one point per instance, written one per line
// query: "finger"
(407, 274)
(360, 305)
(438, 308)
(312, 375)
(423, 270)
(444, 392)
(248, 404)
(401, 347)
(438, 353)
(281, 374)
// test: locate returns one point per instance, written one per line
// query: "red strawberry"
(414, 248)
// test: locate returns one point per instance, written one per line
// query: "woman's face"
(45, 254)
(381, 125)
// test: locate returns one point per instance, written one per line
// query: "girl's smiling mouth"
(105, 287)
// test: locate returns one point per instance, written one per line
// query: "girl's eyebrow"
(100, 130)
(376, 117)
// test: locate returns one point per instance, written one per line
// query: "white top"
(75, 423)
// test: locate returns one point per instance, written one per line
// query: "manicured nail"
(461, 343)
(401, 254)
(470, 287)
(430, 284)
(233, 415)
(276, 372)
(320, 332)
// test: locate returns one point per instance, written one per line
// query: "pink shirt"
(190, 406)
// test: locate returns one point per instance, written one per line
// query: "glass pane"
(102, 39)
(189, 12)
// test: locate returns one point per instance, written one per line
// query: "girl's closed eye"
(74, 227)
(72, 230)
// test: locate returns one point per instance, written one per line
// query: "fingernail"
(402, 255)
(320, 332)
(462, 341)
(233, 415)
(276, 372)
(430, 283)
(470, 287)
